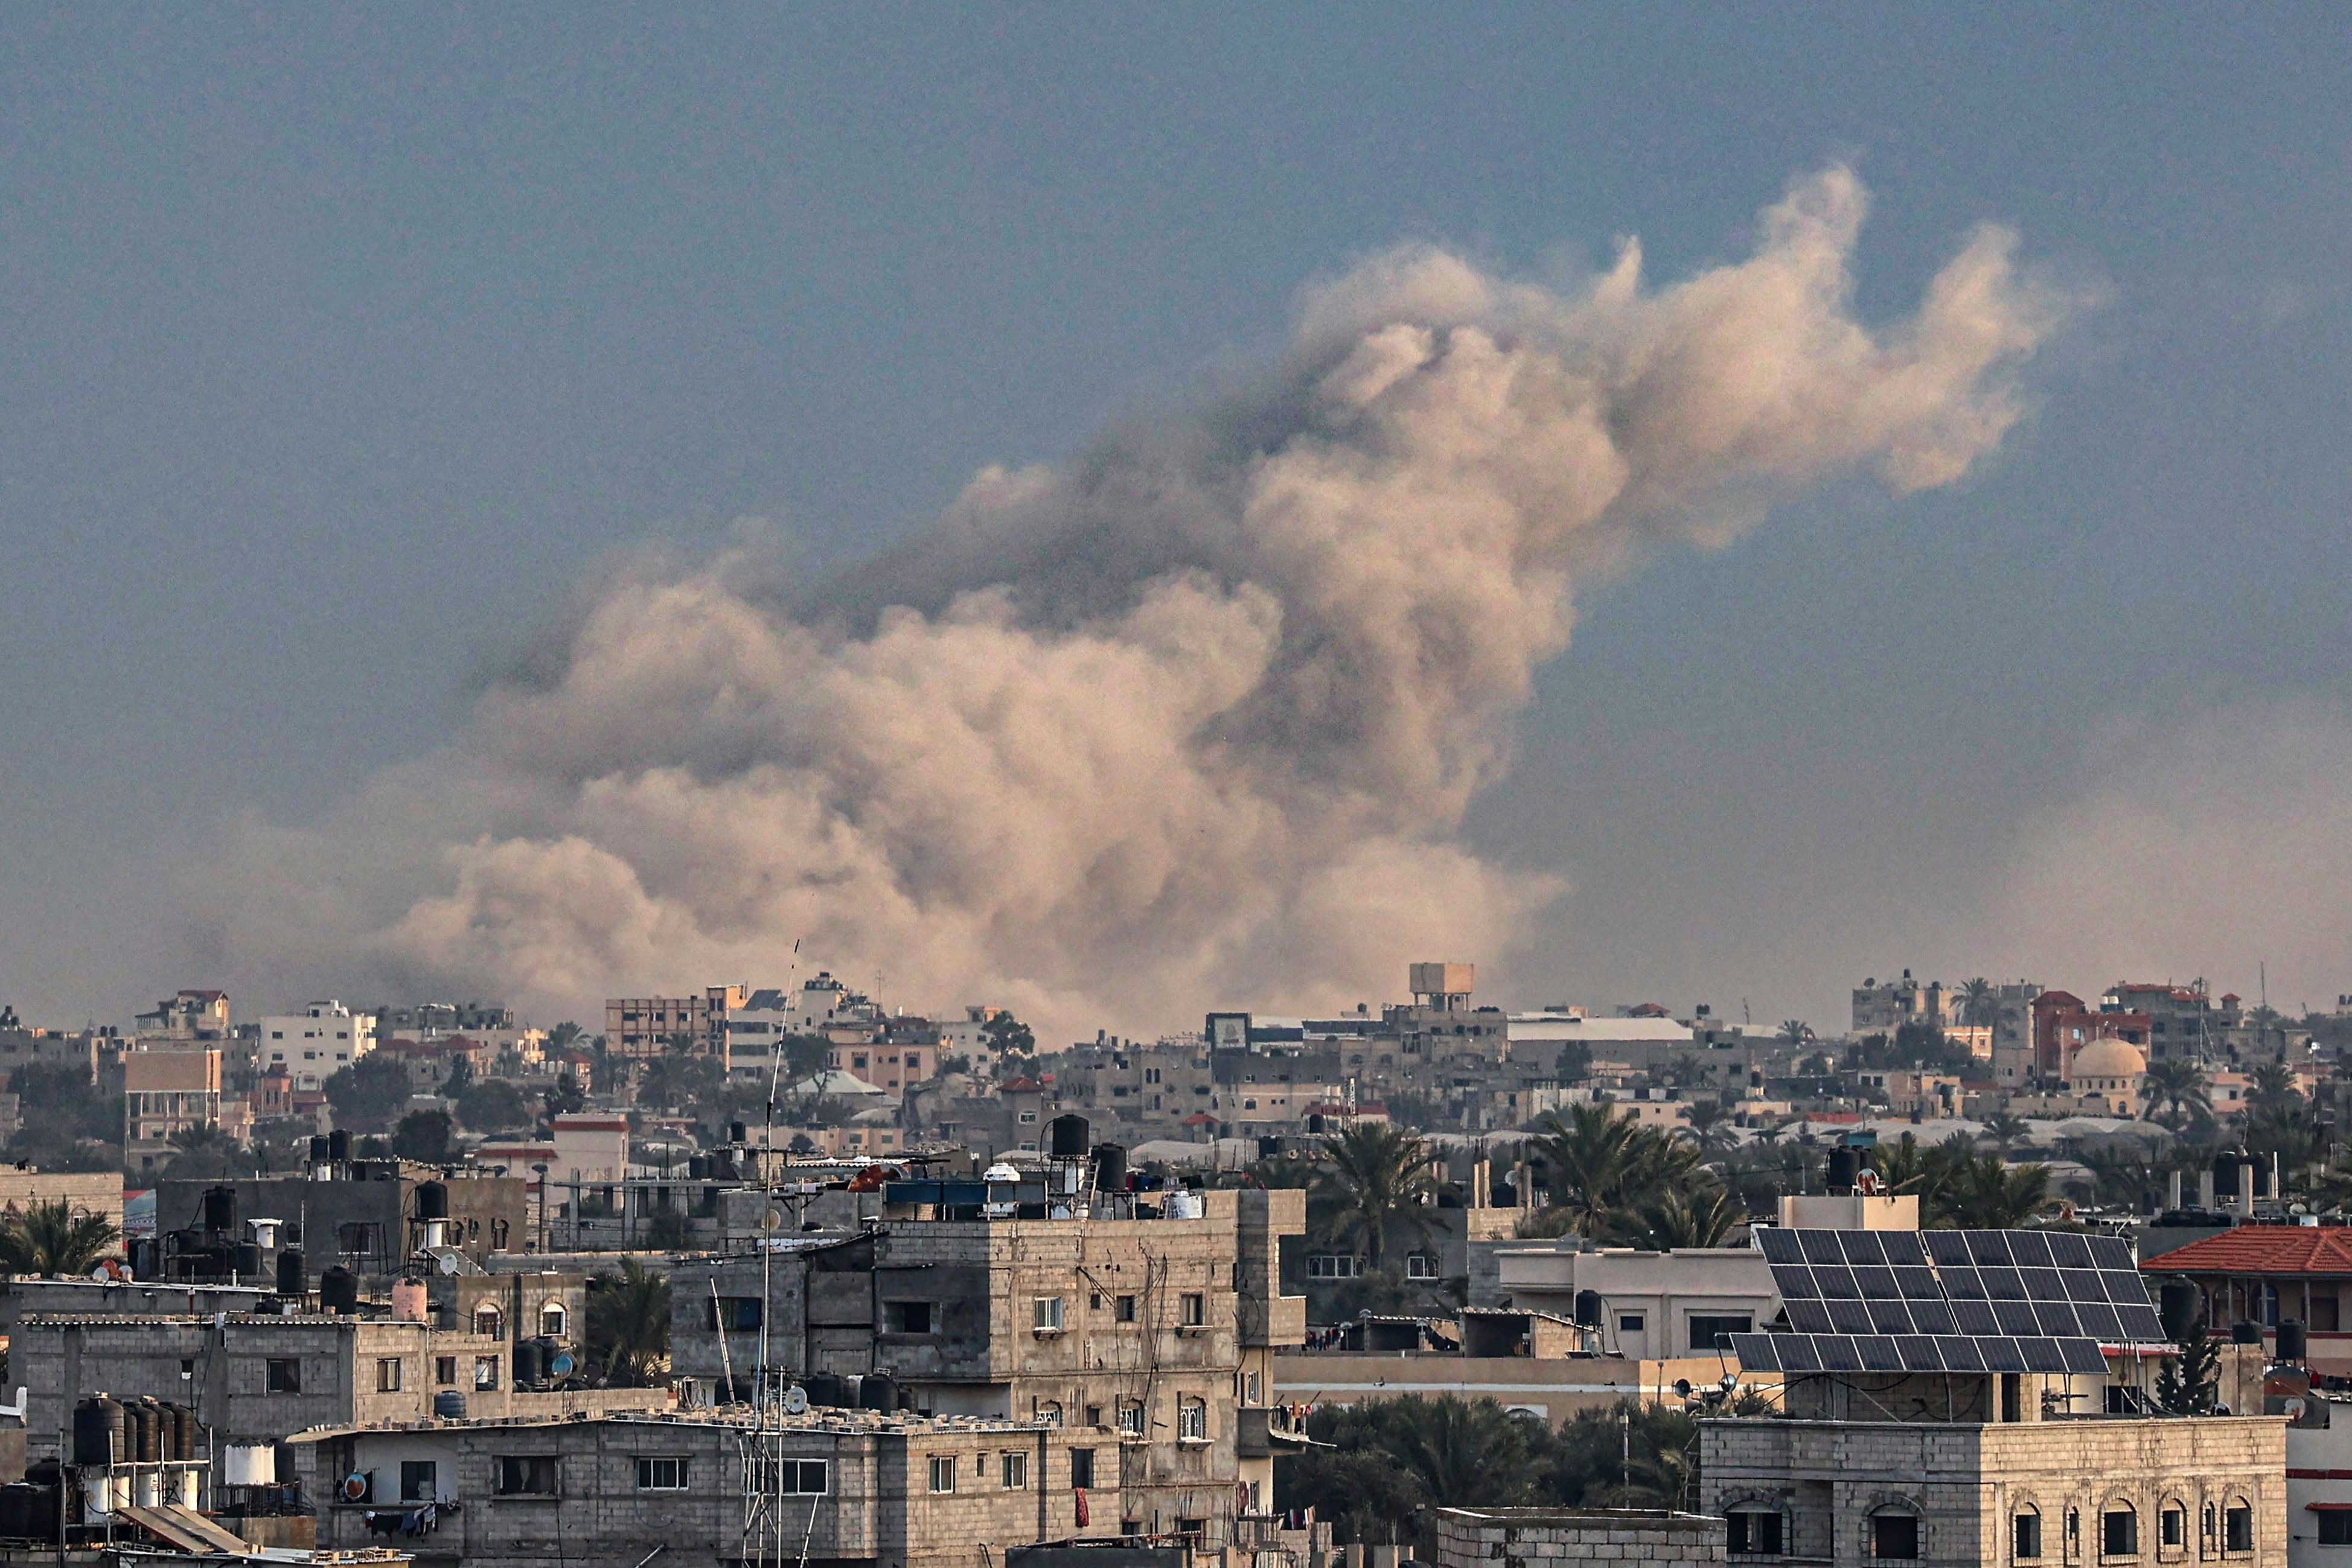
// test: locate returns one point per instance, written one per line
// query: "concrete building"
(2112, 1492)
(1883, 1006)
(2108, 1077)
(314, 1045)
(257, 1377)
(2266, 1274)
(82, 1192)
(840, 1487)
(1510, 1537)
(167, 1091)
(1156, 1335)
(362, 1214)
(1649, 1305)
(2182, 1021)
(193, 1016)
(641, 1027)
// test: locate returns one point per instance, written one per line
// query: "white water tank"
(253, 1465)
(1182, 1204)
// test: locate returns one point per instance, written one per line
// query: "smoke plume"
(1192, 720)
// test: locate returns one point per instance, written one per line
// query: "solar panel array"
(1950, 1300)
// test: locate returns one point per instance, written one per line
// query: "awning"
(2329, 1507)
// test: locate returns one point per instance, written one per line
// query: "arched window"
(1894, 1535)
(1756, 1530)
(2025, 1535)
(2172, 1526)
(489, 1322)
(2238, 1526)
(2118, 1531)
(552, 1318)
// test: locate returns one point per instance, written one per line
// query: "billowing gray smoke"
(1195, 718)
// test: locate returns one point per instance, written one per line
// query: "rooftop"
(841, 1422)
(2262, 1249)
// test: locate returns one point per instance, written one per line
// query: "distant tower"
(1443, 987)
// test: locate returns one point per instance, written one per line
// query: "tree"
(629, 1324)
(563, 1036)
(1795, 1031)
(494, 1105)
(461, 1077)
(207, 1154)
(1574, 1065)
(54, 1240)
(1709, 1124)
(2005, 1129)
(1978, 1004)
(1700, 1216)
(1984, 1192)
(2190, 1381)
(1604, 1166)
(370, 1092)
(670, 1082)
(423, 1136)
(563, 1098)
(2178, 1086)
(1008, 1036)
(1377, 1177)
(806, 1055)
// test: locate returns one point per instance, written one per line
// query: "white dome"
(2107, 1058)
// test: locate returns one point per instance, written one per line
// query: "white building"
(1651, 1304)
(315, 1043)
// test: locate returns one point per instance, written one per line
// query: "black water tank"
(2225, 1174)
(735, 1132)
(184, 1417)
(825, 1388)
(696, 1169)
(339, 1290)
(2246, 1334)
(877, 1391)
(95, 1428)
(2290, 1340)
(318, 1155)
(339, 1146)
(249, 1261)
(28, 1512)
(220, 1209)
(1065, 1138)
(2262, 1177)
(1842, 1169)
(1110, 1169)
(2177, 1305)
(529, 1363)
(293, 1275)
(146, 1433)
(449, 1405)
(1588, 1309)
(432, 1200)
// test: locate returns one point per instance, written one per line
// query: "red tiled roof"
(2262, 1249)
(1200, 1119)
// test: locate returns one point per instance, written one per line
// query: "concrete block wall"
(1543, 1538)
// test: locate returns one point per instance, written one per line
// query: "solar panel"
(2042, 1285)
(1960, 1354)
(1863, 1246)
(2142, 1325)
(1801, 1352)
(2057, 1318)
(1962, 1284)
(2111, 1252)
(2069, 1250)
(1904, 1247)
(2041, 1354)
(1849, 1317)
(1835, 1280)
(2083, 1284)
(1877, 1353)
(1975, 1317)
(1758, 1351)
(1946, 1246)
(1876, 1282)
(1781, 1246)
(1917, 1353)
(2015, 1317)
(1936, 1317)
(1813, 1317)
(1795, 1283)
(2001, 1355)
(1988, 1249)
(2125, 1289)
(1889, 1317)
(1822, 1246)
(2100, 1322)
(2003, 1284)
(1917, 1283)
(2082, 1355)
(1838, 1353)
(2030, 1248)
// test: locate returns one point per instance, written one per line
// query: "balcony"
(1266, 1431)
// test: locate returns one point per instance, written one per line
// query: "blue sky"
(340, 343)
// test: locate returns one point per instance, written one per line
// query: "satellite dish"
(355, 1487)
(796, 1400)
(772, 1219)
(560, 1364)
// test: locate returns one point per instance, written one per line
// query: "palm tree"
(1378, 1176)
(1709, 1124)
(1984, 1192)
(1903, 1166)
(1796, 1031)
(1473, 1449)
(1697, 1216)
(2005, 1129)
(2178, 1084)
(1977, 1004)
(1592, 1156)
(629, 1324)
(52, 1239)
(207, 1154)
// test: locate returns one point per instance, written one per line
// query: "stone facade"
(257, 1377)
(1151, 1335)
(365, 1219)
(2182, 1483)
(608, 1493)
(1543, 1537)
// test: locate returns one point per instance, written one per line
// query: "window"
(734, 1313)
(552, 1318)
(1195, 1310)
(1707, 1330)
(1094, 1416)
(444, 1371)
(1046, 1314)
(1333, 1266)
(420, 1480)
(2172, 1526)
(2073, 1535)
(943, 1468)
(2335, 1528)
(1895, 1537)
(283, 1376)
(2119, 1533)
(485, 1372)
(1014, 1468)
(387, 1374)
(532, 1475)
(1192, 1421)
(489, 1322)
(1631, 1323)
(1420, 1266)
(1130, 1419)
(2025, 1536)
(661, 1475)
(1756, 1532)
(2238, 1528)
(1082, 1469)
(907, 1317)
